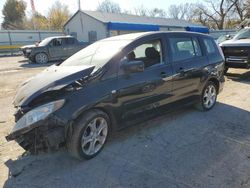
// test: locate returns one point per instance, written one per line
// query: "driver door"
(56, 49)
(142, 93)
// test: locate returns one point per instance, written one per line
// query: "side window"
(56, 42)
(184, 48)
(69, 41)
(150, 53)
(210, 47)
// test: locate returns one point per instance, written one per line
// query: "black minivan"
(113, 83)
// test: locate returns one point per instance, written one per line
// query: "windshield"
(224, 38)
(243, 34)
(97, 54)
(44, 42)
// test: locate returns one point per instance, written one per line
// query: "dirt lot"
(185, 148)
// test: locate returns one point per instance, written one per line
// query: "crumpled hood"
(234, 42)
(28, 46)
(52, 78)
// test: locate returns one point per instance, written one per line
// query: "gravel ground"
(185, 148)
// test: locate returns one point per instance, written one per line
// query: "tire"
(41, 58)
(208, 97)
(88, 138)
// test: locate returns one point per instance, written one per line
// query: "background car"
(223, 38)
(53, 48)
(237, 50)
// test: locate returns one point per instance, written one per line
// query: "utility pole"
(33, 13)
(79, 4)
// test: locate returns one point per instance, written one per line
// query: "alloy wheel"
(41, 58)
(94, 136)
(209, 96)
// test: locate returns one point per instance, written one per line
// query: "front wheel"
(41, 58)
(89, 135)
(208, 97)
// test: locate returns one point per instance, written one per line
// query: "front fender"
(36, 51)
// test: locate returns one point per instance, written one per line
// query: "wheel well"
(40, 52)
(216, 82)
(108, 112)
(110, 115)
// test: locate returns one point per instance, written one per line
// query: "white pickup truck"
(237, 50)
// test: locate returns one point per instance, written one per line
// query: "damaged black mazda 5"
(113, 83)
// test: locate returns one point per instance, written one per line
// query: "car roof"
(133, 36)
(55, 37)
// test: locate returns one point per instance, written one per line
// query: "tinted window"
(150, 53)
(209, 45)
(56, 42)
(184, 48)
(69, 41)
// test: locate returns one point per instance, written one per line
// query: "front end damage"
(46, 135)
(41, 101)
(40, 129)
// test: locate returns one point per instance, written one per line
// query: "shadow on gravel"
(23, 61)
(185, 148)
(245, 77)
(34, 65)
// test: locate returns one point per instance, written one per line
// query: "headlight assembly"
(38, 114)
(28, 50)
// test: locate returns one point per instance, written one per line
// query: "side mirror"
(228, 37)
(133, 66)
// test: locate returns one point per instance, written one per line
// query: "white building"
(89, 26)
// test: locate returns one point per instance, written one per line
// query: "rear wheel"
(41, 58)
(89, 135)
(208, 97)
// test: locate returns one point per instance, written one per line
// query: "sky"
(42, 6)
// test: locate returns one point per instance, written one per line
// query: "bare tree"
(156, 12)
(240, 9)
(217, 11)
(174, 11)
(182, 11)
(199, 17)
(109, 6)
(140, 11)
(248, 9)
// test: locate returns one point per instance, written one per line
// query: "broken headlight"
(38, 114)
(28, 50)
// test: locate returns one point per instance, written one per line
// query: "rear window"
(210, 46)
(184, 48)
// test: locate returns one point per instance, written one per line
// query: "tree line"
(14, 14)
(215, 14)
